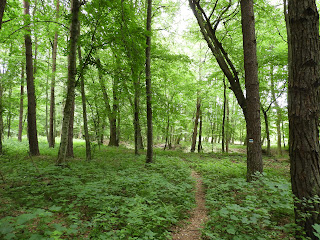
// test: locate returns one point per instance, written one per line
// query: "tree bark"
(149, 156)
(1, 119)
(53, 83)
(2, 7)
(303, 112)
(84, 111)
(195, 129)
(72, 70)
(21, 105)
(200, 133)
(32, 120)
(266, 122)
(254, 156)
(70, 153)
(224, 115)
(9, 116)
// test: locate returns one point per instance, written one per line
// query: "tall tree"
(208, 27)
(51, 137)
(32, 121)
(303, 112)
(71, 84)
(2, 7)
(195, 129)
(84, 109)
(21, 105)
(149, 157)
(254, 159)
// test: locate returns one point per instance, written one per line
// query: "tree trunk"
(227, 132)
(266, 121)
(149, 156)
(9, 116)
(1, 119)
(2, 7)
(195, 129)
(70, 153)
(21, 105)
(200, 133)
(53, 83)
(84, 112)
(278, 120)
(254, 156)
(32, 119)
(303, 113)
(224, 114)
(72, 70)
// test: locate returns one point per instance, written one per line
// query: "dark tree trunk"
(32, 120)
(2, 7)
(1, 119)
(9, 116)
(167, 129)
(52, 136)
(149, 157)
(21, 105)
(84, 112)
(254, 156)
(72, 70)
(266, 121)
(195, 129)
(70, 132)
(200, 133)
(303, 112)
(227, 132)
(224, 114)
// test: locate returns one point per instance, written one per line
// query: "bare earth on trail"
(191, 229)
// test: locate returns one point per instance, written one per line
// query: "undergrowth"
(238, 210)
(115, 196)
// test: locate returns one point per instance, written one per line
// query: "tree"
(303, 112)
(195, 129)
(250, 103)
(21, 105)
(2, 7)
(149, 157)
(51, 137)
(71, 83)
(32, 121)
(254, 155)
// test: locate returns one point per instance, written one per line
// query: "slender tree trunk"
(53, 83)
(224, 114)
(84, 112)
(282, 130)
(149, 157)
(227, 132)
(1, 119)
(9, 116)
(254, 156)
(167, 129)
(278, 120)
(266, 121)
(32, 120)
(200, 133)
(21, 105)
(303, 112)
(195, 129)
(2, 7)
(72, 70)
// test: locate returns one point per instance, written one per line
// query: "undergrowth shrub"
(112, 197)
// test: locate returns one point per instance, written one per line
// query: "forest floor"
(116, 196)
(190, 230)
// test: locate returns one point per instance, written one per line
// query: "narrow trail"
(198, 216)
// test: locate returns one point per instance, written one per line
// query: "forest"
(159, 119)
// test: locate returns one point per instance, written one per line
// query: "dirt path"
(198, 216)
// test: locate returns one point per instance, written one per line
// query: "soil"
(198, 216)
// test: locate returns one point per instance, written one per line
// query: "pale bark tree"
(32, 121)
(303, 112)
(71, 83)
(149, 157)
